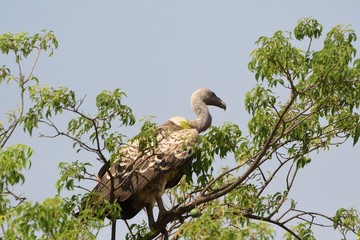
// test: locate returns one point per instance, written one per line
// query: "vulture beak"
(222, 104)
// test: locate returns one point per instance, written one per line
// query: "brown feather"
(141, 176)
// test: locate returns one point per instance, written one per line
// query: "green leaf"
(356, 135)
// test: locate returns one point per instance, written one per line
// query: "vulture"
(141, 177)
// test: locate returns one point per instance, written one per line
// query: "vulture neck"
(201, 110)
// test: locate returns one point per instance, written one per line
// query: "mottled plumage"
(141, 177)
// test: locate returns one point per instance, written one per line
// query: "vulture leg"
(150, 215)
(162, 210)
(162, 213)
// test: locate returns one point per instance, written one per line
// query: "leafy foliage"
(69, 173)
(321, 111)
(303, 230)
(12, 161)
(22, 45)
(304, 100)
(54, 218)
(217, 222)
(347, 220)
(219, 141)
(51, 219)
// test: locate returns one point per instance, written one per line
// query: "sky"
(159, 52)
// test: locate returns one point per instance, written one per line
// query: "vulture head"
(200, 99)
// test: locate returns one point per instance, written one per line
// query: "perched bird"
(140, 177)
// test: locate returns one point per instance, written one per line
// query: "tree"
(303, 101)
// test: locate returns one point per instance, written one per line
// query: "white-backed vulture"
(141, 177)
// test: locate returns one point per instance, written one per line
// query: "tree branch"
(282, 225)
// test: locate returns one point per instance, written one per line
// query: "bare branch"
(15, 196)
(60, 133)
(34, 65)
(282, 225)
(302, 213)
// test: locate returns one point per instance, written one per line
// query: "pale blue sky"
(159, 52)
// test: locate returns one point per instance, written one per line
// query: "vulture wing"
(138, 171)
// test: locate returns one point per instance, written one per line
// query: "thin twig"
(282, 225)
